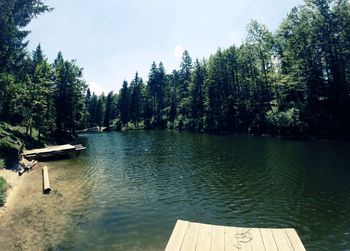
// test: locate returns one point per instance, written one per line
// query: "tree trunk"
(39, 134)
(27, 129)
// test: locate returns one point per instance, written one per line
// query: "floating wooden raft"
(52, 151)
(46, 182)
(188, 236)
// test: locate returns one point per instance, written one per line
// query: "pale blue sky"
(112, 39)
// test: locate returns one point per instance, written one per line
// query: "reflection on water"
(128, 189)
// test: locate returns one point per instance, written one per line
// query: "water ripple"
(133, 186)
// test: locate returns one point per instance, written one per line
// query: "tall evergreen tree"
(184, 83)
(92, 111)
(69, 95)
(136, 99)
(100, 111)
(124, 99)
(197, 90)
(108, 110)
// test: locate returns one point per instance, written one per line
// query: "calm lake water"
(132, 187)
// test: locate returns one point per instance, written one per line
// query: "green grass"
(10, 141)
(2, 163)
(12, 138)
(3, 188)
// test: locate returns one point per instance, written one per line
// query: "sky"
(112, 39)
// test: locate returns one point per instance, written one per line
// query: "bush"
(285, 122)
(3, 188)
(116, 125)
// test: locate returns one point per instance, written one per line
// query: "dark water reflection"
(135, 185)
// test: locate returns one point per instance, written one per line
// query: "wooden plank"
(34, 164)
(257, 242)
(188, 236)
(24, 162)
(269, 241)
(231, 243)
(218, 238)
(46, 181)
(294, 239)
(50, 149)
(280, 240)
(287, 239)
(204, 237)
(244, 237)
(190, 239)
(177, 236)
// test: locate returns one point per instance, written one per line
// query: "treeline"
(33, 92)
(293, 81)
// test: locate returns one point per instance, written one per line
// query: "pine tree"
(69, 95)
(108, 110)
(92, 110)
(136, 100)
(184, 83)
(100, 111)
(197, 90)
(124, 100)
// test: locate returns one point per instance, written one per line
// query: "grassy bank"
(12, 140)
(3, 188)
(10, 144)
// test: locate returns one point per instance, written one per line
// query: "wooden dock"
(52, 151)
(191, 236)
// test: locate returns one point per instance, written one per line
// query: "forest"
(293, 81)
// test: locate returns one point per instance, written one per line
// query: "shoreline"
(14, 182)
(31, 219)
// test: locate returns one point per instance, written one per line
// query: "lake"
(129, 188)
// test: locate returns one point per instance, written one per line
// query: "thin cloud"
(100, 29)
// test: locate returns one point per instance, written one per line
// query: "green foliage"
(8, 148)
(2, 163)
(293, 81)
(100, 109)
(136, 100)
(10, 143)
(3, 188)
(124, 103)
(197, 98)
(285, 122)
(69, 94)
(109, 110)
(43, 98)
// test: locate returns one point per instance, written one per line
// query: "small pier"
(191, 236)
(52, 151)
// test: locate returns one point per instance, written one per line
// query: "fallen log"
(46, 182)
